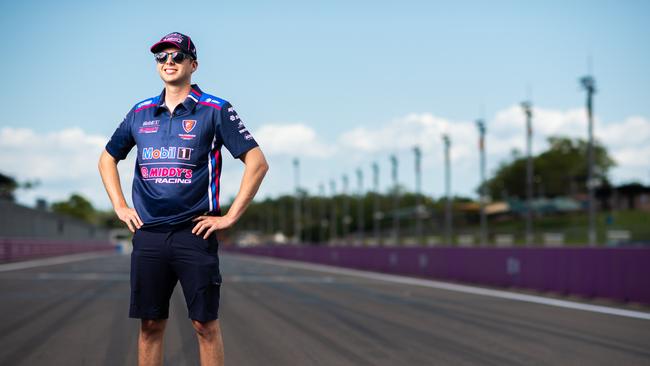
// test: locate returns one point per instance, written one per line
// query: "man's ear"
(195, 65)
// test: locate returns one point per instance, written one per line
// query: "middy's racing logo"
(167, 174)
(182, 153)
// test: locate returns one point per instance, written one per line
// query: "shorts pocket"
(133, 238)
(213, 294)
(205, 304)
(209, 245)
(215, 278)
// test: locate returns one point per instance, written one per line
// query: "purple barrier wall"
(23, 249)
(621, 274)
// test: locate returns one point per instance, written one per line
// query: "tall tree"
(7, 187)
(560, 170)
(76, 206)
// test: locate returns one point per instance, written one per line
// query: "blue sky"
(325, 76)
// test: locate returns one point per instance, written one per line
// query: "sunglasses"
(177, 57)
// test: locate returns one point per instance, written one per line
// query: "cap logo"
(174, 37)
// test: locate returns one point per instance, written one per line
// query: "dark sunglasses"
(177, 57)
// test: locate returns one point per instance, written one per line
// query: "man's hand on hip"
(130, 217)
(211, 224)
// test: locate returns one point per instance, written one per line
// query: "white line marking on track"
(449, 286)
(52, 260)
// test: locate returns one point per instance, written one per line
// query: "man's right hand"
(130, 217)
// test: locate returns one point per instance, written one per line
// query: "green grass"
(575, 226)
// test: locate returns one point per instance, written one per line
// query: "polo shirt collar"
(189, 103)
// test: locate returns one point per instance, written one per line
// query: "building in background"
(17, 221)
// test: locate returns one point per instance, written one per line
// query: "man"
(176, 211)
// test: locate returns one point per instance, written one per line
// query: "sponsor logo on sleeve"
(214, 101)
(240, 125)
(146, 102)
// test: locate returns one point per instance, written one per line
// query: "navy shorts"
(160, 259)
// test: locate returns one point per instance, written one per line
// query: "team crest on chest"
(188, 125)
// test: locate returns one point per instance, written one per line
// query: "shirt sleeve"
(122, 140)
(236, 137)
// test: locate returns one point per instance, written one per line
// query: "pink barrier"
(621, 274)
(23, 249)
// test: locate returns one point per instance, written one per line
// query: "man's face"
(176, 73)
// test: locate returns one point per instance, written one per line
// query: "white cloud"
(293, 139)
(424, 130)
(628, 141)
(56, 155)
(66, 161)
(63, 161)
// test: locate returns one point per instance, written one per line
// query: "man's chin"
(174, 81)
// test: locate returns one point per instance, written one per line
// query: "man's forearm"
(250, 183)
(111, 179)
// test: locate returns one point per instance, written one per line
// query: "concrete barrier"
(621, 274)
(12, 249)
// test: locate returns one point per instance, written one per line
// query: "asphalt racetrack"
(275, 314)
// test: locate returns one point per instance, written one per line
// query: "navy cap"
(176, 39)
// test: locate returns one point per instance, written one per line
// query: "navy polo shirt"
(179, 159)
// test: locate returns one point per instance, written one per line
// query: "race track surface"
(272, 314)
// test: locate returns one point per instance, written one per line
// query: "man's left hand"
(211, 224)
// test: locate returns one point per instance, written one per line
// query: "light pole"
(528, 111)
(589, 83)
(346, 208)
(296, 203)
(360, 218)
(307, 221)
(322, 219)
(376, 215)
(480, 124)
(333, 212)
(282, 212)
(269, 223)
(393, 161)
(448, 214)
(418, 191)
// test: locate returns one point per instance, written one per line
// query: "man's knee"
(207, 329)
(153, 327)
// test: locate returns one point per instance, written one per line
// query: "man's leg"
(210, 342)
(150, 342)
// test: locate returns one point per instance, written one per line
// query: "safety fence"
(621, 274)
(16, 249)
